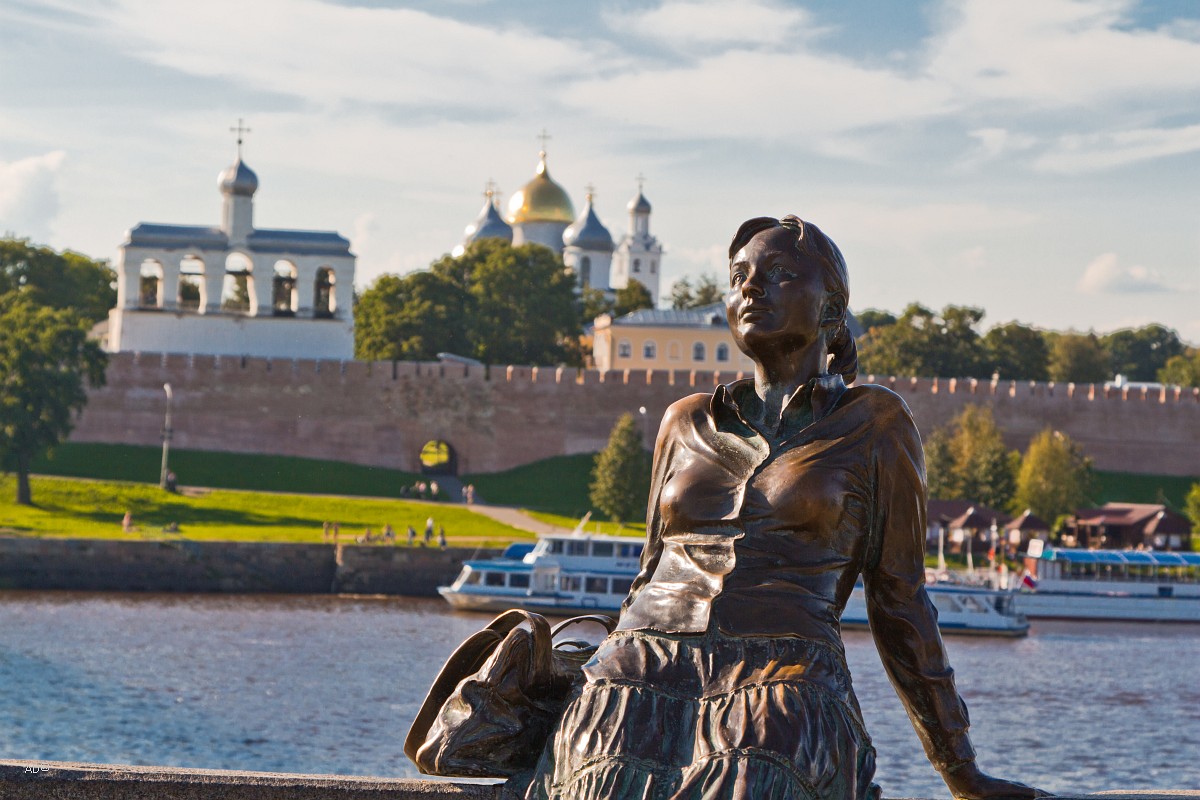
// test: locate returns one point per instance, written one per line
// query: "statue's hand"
(968, 782)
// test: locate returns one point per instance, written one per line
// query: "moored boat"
(570, 573)
(1126, 585)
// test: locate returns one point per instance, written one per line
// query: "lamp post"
(645, 427)
(166, 438)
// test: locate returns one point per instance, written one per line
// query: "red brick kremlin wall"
(381, 413)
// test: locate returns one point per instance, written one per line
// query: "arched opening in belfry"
(324, 304)
(192, 294)
(284, 295)
(585, 272)
(437, 458)
(237, 292)
(150, 285)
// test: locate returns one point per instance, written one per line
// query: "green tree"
(58, 280)
(498, 303)
(411, 318)
(1078, 358)
(633, 297)
(1182, 370)
(683, 294)
(925, 343)
(1016, 351)
(1191, 507)
(45, 359)
(1139, 353)
(592, 303)
(967, 460)
(1055, 477)
(875, 318)
(621, 478)
(939, 466)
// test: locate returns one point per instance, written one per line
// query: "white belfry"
(234, 289)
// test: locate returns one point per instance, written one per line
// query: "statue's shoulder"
(689, 408)
(879, 401)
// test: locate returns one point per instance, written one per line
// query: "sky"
(1036, 158)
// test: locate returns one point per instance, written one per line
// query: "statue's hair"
(811, 242)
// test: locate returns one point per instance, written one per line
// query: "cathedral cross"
(239, 130)
(545, 137)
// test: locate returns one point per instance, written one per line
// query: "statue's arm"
(665, 446)
(904, 622)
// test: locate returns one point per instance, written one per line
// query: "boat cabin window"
(602, 548)
(621, 585)
(597, 585)
(630, 550)
(577, 548)
(569, 583)
(556, 545)
(518, 580)
(472, 578)
(493, 578)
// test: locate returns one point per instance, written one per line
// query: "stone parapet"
(60, 780)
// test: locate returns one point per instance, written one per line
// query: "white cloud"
(328, 54)
(28, 195)
(1106, 275)
(1058, 53)
(1086, 153)
(683, 24)
(996, 142)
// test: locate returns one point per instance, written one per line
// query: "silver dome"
(587, 232)
(238, 179)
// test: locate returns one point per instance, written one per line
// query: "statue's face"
(776, 295)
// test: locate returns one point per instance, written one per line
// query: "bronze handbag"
(491, 708)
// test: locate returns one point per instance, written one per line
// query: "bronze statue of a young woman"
(726, 676)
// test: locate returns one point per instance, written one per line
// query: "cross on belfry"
(545, 137)
(239, 130)
(641, 179)
(590, 189)
(489, 188)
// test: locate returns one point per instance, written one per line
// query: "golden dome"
(540, 200)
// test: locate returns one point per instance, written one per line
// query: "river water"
(322, 684)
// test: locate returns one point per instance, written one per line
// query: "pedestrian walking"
(442, 537)
(429, 530)
(412, 535)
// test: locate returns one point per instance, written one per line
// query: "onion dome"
(587, 232)
(238, 179)
(639, 203)
(540, 200)
(489, 224)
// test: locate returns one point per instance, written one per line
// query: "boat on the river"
(1127, 585)
(568, 573)
(563, 573)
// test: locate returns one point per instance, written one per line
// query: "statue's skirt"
(710, 716)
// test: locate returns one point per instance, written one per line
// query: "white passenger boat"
(967, 610)
(569, 573)
(1146, 585)
(562, 574)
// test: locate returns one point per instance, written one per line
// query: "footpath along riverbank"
(236, 567)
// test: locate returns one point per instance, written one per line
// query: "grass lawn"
(556, 485)
(593, 526)
(121, 462)
(94, 509)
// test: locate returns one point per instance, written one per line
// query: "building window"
(722, 352)
(649, 350)
(637, 265)
(653, 266)
(698, 352)
(585, 271)
(624, 349)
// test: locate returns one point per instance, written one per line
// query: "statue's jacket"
(755, 533)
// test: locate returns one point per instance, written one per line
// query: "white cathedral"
(234, 289)
(541, 212)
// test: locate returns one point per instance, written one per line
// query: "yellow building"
(667, 338)
(656, 338)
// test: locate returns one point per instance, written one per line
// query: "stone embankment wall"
(381, 413)
(187, 566)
